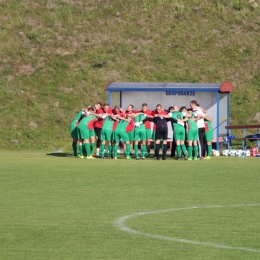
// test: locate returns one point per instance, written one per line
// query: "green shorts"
(179, 134)
(85, 133)
(140, 135)
(106, 135)
(193, 135)
(73, 131)
(121, 135)
(131, 135)
(209, 136)
(148, 133)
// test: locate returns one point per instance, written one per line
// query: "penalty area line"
(120, 224)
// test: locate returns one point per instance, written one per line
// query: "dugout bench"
(245, 138)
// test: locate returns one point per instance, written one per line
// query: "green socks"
(183, 148)
(115, 150)
(196, 151)
(209, 150)
(143, 150)
(75, 148)
(87, 148)
(92, 146)
(136, 150)
(110, 150)
(127, 149)
(80, 150)
(178, 150)
(102, 150)
(190, 151)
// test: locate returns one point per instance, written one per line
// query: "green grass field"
(59, 207)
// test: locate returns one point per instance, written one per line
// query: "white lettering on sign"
(180, 93)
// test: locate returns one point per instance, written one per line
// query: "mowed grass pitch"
(55, 207)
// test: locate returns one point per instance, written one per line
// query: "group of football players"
(103, 126)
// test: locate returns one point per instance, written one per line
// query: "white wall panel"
(206, 99)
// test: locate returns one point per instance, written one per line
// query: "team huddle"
(101, 125)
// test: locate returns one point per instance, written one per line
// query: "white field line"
(120, 224)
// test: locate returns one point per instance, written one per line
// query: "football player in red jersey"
(150, 113)
(129, 113)
(107, 130)
(98, 126)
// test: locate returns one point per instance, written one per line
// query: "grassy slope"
(57, 55)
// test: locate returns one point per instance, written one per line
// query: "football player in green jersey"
(121, 132)
(208, 135)
(74, 131)
(106, 132)
(139, 134)
(86, 131)
(179, 132)
(192, 128)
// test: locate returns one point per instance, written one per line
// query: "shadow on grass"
(60, 154)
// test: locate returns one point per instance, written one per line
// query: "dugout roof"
(225, 87)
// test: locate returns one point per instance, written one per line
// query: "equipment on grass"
(247, 153)
(226, 152)
(240, 153)
(232, 152)
(216, 153)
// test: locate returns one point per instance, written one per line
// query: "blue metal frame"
(108, 97)
(259, 142)
(228, 116)
(162, 89)
(120, 98)
(217, 144)
(244, 141)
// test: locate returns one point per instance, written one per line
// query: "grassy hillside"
(57, 56)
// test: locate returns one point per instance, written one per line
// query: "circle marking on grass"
(120, 223)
